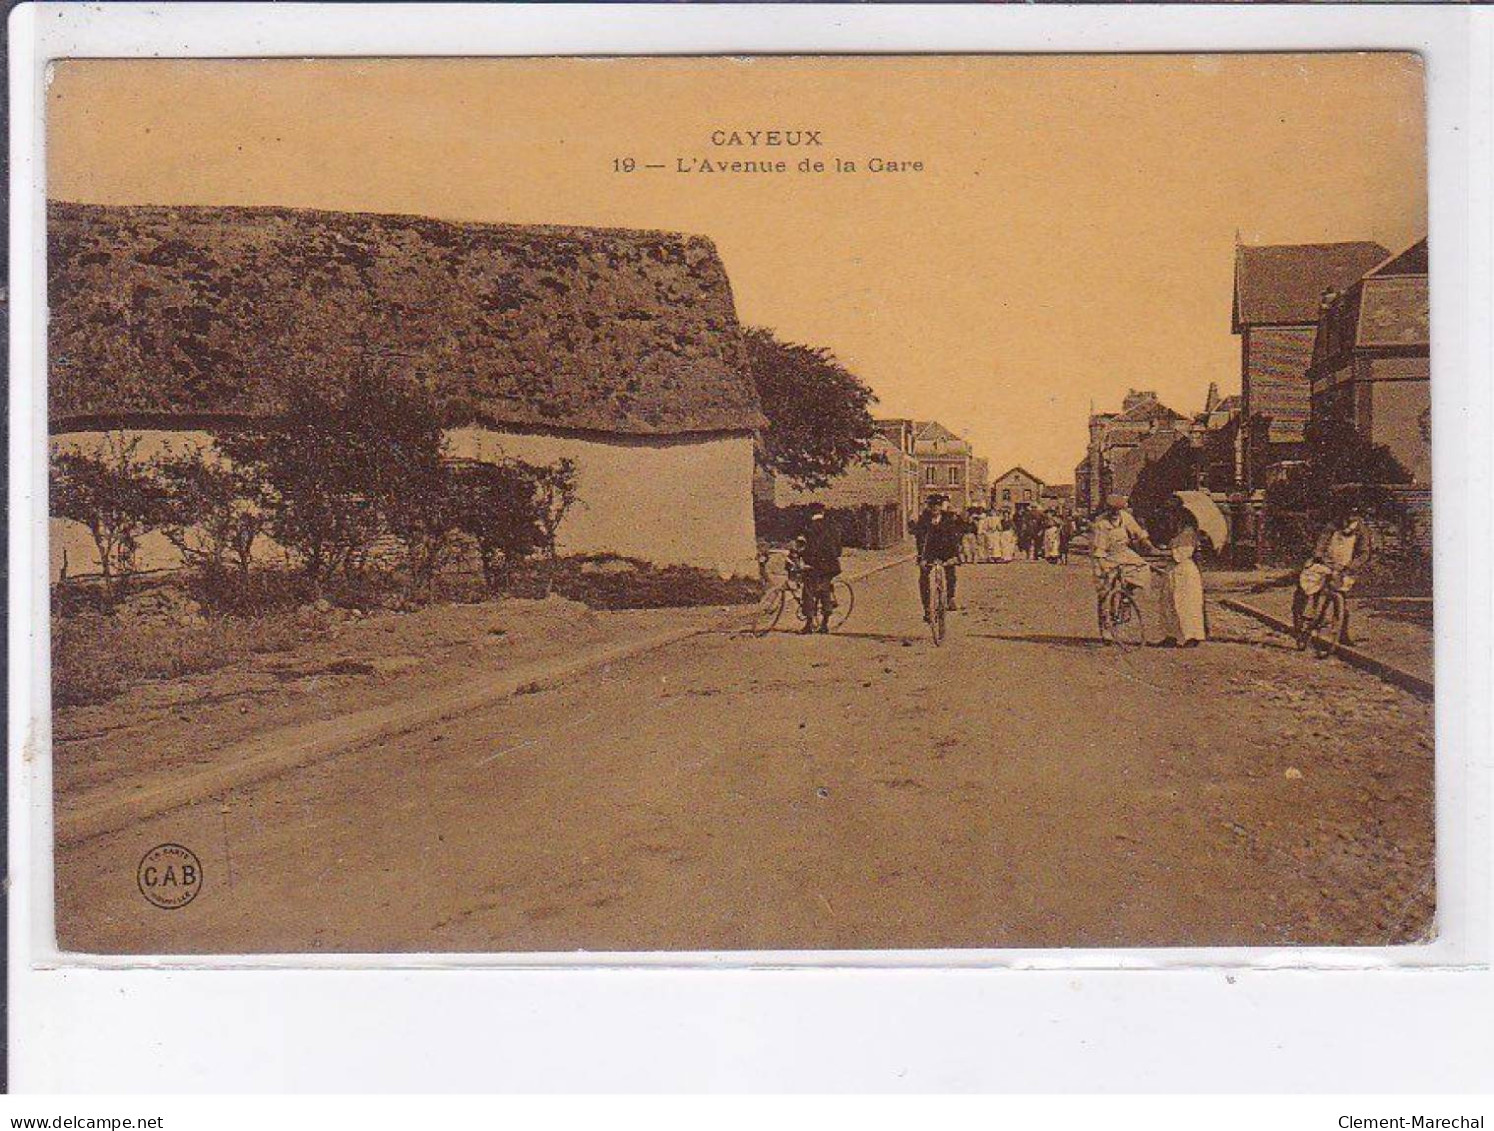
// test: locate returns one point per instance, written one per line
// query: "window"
(928, 475)
(1027, 496)
(1006, 494)
(954, 474)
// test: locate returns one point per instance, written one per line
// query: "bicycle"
(1324, 618)
(938, 603)
(777, 595)
(1120, 617)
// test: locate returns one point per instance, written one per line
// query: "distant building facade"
(980, 481)
(867, 503)
(1015, 489)
(944, 464)
(1122, 443)
(1058, 498)
(1217, 436)
(900, 433)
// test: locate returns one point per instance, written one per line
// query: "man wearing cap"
(820, 557)
(937, 533)
(1117, 537)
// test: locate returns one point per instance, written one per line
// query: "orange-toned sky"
(1071, 236)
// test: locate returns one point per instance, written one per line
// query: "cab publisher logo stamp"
(169, 876)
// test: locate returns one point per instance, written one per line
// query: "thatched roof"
(217, 310)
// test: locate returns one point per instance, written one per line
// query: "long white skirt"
(1182, 602)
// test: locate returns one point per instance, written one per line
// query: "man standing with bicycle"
(819, 557)
(937, 533)
(1343, 549)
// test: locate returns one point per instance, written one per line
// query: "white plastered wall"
(686, 502)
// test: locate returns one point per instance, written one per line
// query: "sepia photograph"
(839, 503)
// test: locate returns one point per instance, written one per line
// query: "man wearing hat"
(937, 533)
(820, 556)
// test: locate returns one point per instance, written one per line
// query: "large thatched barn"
(619, 349)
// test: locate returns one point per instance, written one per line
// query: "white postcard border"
(176, 999)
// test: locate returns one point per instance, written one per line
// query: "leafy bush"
(511, 510)
(214, 511)
(116, 496)
(330, 468)
(255, 592)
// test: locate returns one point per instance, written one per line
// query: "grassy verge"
(96, 657)
(178, 626)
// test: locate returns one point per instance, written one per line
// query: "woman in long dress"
(1050, 539)
(1182, 604)
(1008, 538)
(986, 531)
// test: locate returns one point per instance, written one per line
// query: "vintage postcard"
(710, 504)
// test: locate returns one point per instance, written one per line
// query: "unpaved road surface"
(1021, 786)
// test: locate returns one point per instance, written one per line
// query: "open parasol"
(1211, 520)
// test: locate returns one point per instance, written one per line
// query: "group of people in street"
(1001, 536)
(1119, 544)
(1119, 541)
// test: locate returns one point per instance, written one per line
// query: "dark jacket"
(938, 541)
(821, 551)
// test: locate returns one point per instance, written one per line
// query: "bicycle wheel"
(937, 602)
(1327, 628)
(769, 610)
(1126, 627)
(845, 601)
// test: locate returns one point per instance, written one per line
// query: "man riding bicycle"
(938, 533)
(1115, 538)
(1343, 549)
(818, 561)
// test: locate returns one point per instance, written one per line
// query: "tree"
(412, 483)
(116, 496)
(498, 506)
(1176, 469)
(214, 511)
(819, 418)
(555, 492)
(1341, 466)
(342, 468)
(1344, 466)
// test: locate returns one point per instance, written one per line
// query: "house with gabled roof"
(1016, 488)
(1106, 467)
(1277, 299)
(944, 464)
(620, 350)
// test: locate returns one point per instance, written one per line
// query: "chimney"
(1211, 402)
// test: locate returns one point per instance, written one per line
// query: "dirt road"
(1021, 786)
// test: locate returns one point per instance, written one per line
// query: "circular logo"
(169, 876)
